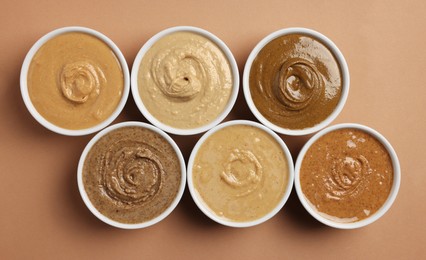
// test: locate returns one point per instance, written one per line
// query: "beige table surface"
(42, 215)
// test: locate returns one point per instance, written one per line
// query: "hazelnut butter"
(185, 80)
(241, 173)
(346, 175)
(295, 81)
(131, 175)
(75, 81)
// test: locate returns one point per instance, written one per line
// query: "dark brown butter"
(295, 81)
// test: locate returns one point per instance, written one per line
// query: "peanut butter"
(75, 81)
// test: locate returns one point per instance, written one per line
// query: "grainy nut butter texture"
(131, 175)
(75, 80)
(346, 175)
(185, 80)
(295, 81)
(241, 173)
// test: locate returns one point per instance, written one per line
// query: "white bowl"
(135, 86)
(392, 195)
(116, 223)
(340, 60)
(33, 110)
(199, 201)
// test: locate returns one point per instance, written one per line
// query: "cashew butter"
(185, 80)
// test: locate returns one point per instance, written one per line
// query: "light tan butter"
(241, 173)
(185, 80)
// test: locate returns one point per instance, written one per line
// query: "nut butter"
(295, 81)
(75, 80)
(131, 175)
(185, 80)
(240, 173)
(346, 175)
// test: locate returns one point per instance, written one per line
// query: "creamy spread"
(346, 175)
(131, 175)
(295, 81)
(185, 80)
(75, 81)
(240, 172)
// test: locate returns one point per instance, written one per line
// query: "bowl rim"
(135, 86)
(204, 208)
(104, 218)
(24, 86)
(340, 61)
(391, 197)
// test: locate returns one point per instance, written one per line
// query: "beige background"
(43, 216)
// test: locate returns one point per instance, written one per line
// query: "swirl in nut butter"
(185, 80)
(131, 175)
(295, 81)
(346, 175)
(75, 81)
(179, 74)
(298, 84)
(243, 172)
(240, 173)
(81, 80)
